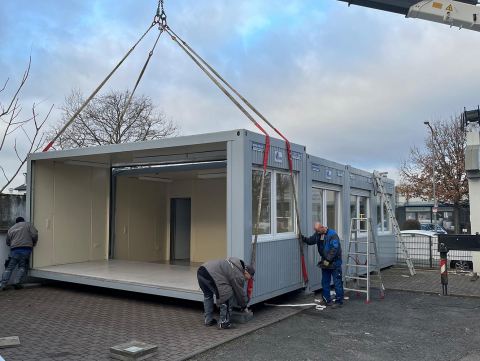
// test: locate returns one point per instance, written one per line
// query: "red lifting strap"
(267, 146)
(190, 51)
(304, 268)
(250, 287)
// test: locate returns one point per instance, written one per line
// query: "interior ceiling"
(133, 157)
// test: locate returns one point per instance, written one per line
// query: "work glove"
(303, 238)
(326, 263)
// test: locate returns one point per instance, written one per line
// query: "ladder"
(393, 219)
(356, 254)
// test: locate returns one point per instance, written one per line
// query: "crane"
(464, 14)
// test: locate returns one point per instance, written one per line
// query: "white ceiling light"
(182, 158)
(88, 164)
(212, 175)
(156, 179)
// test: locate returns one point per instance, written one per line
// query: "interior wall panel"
(121, 217)
(100, 213)
(43, 212)
(209, 208)
(72, 226)
(162, 247)
(142, 219)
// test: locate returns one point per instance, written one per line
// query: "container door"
(180, 226)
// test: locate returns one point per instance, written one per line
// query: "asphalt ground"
(404, 326)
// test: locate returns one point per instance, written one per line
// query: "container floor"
(179, 276)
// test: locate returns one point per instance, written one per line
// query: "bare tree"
(100, 123)
(451, 178)
(9, 116)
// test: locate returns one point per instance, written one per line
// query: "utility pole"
(472, 166)
(435, 206)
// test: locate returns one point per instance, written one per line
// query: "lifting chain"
(160, 17)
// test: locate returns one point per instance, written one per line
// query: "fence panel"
(424, 253)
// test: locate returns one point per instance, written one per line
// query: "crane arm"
(463, 14)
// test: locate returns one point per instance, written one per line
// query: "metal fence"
(423, 251)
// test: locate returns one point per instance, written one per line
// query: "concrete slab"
(133, 351)
(12, 341)
(166, 276)
(26, 286)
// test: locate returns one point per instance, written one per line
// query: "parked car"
(431, 227)
(417, 232)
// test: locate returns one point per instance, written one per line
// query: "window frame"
(265, 235)
(384, 216)
(274, 235)
(365, 194)
(338, 202)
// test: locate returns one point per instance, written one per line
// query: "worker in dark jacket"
(330, 251)
(21, 238)
(224, 278)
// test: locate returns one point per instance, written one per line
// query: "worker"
(330, 252)
(224, 278)
(21, 238)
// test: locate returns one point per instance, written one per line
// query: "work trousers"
(327, 275)
(208, 287)
(20, 259)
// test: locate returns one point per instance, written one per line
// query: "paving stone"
(133, 351)
(429, 281)
(11, 341)
(69, 322)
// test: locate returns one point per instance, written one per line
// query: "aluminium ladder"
(393, 219)
(356, 254)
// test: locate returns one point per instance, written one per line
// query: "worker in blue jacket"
(330, 251)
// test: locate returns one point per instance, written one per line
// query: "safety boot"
(226, 326)
(325, 303)
(211, 323)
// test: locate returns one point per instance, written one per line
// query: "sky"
(352, 84)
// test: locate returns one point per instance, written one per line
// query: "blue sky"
(352, 84)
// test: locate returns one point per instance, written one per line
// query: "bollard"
(444, 273)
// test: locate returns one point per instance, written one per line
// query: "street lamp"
(433, 178)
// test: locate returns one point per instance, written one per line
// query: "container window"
(359, 208)
(284, 203)
(332, 209)
(265, 226)
(317, 205)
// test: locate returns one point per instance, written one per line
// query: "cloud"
(352, 84)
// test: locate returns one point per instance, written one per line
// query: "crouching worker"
(226, 280)
(330, 251)
(21, 238)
